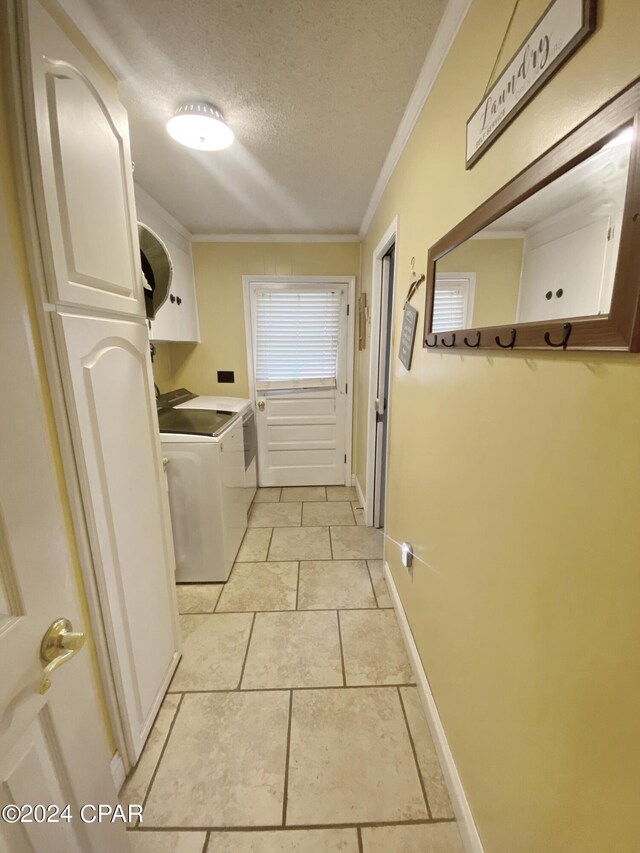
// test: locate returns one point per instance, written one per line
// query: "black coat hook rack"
(453, 341)
(566, 332)
(477, 343)
(435, 341)
(511, 343)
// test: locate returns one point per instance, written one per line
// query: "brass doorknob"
(261, 405)
(59, 644)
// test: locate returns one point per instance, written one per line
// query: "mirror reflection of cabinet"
(555, 253)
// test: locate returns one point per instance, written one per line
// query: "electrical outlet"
(407, 558)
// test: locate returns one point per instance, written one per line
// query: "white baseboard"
(464, 817)
(117, 771)
(358, 489)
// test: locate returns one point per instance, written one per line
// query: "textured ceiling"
(313, 89)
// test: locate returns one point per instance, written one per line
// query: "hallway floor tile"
(294, 650)
(334, 584)
(292, 724)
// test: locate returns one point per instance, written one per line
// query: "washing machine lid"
(195, 421)
(228, 404)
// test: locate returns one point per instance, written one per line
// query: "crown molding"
(275, 238)
(445, 34)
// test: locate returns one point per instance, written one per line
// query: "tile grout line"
(298, 586)
(162, 751)
(373, 589)
(206, 842)
(246, 655)
(415, 756)
(360, 847)
(266, 560)
(285, 798)
(344, 673)
(303, 687)
(330, 541)
(292, 827)
(281, 609)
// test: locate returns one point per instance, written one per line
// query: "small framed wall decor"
(362, 321)
(408, 335)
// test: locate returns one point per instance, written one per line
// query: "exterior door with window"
(300, 371)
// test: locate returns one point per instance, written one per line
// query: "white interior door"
(300, 364)
(53, 747)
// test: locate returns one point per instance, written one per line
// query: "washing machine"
(210, 445)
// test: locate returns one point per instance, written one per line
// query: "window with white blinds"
(296, 338)
(452, 303)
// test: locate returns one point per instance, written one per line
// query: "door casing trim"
(389, 239)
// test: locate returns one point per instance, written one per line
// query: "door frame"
(389, 239)
(32, 208)
(350, 282)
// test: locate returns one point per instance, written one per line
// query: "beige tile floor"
(292, 724)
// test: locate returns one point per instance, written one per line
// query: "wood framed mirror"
(552, 260)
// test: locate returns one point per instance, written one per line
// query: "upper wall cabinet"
(85, 173)
(176, 309)
(552, 260)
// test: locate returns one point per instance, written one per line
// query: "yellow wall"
(497, 265)
(219, 268)
(9, 192)
(517, 479)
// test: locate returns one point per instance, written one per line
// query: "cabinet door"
(82, 159)
(107, 377)
(177, 318)
(185, 291)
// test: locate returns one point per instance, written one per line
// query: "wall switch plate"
(407, 558)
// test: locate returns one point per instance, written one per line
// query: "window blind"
(296, 338)
(450, 301)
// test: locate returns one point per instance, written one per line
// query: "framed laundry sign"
(563, 27)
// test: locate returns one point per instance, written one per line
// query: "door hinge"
(347, 309)
(610, 233)
(346, 388)
(345, 458)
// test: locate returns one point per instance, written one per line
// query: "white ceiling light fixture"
(200, 125)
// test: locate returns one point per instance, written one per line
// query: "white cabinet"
(177, 317)
(85, 173)
(108, 371)
(81, 168)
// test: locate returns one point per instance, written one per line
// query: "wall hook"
(453, 341)
(511, 343)
(477, 343)
(566, 332)
(435, 342)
